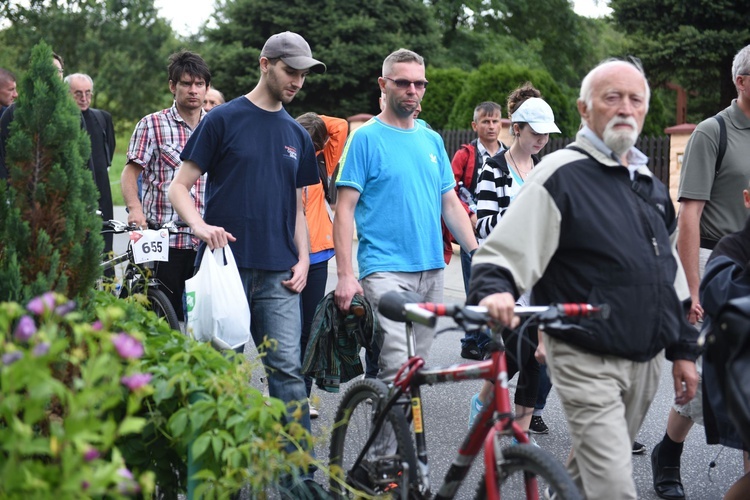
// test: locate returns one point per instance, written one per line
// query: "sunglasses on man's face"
(405, 84)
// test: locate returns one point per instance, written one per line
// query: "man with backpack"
(714, 172)
(466, 164)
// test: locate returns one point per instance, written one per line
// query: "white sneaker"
(314, 413)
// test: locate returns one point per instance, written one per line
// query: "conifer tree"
(49, 230)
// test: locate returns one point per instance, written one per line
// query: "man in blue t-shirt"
(396, 181)
(258, 159)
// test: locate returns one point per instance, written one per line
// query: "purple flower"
(25, 329)
(125, 473)
(136, 381)
(41, 349)
(11, 357)
(85, 485)
(44, 302)
(127, 346)
(91, 454)
(64, 309)
(96, 325)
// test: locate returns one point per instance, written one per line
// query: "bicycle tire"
(160, 304)
(358, 410)
(523, 461)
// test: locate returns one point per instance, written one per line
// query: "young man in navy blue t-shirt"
(258, 159)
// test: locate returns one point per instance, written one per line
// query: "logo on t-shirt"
(433, 158)
(291, 152)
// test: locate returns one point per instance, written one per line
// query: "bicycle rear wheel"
(160, 304)
(383, 467)
(526, 472)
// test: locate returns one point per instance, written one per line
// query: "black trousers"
(173, 274)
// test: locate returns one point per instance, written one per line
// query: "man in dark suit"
(99, 126)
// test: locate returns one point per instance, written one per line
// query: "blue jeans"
(275, 314)
(475, 337)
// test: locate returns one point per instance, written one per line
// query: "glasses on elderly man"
(79, 94)
(404, 84)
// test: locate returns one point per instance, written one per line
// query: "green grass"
(118, 163)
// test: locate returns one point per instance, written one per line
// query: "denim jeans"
(275, 314)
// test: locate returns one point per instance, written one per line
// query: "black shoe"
(538, 426)
(471, 350)
(638, 448)
(667, 481)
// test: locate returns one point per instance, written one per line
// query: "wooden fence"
(656, 148)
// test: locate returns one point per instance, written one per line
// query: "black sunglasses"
(404, 84)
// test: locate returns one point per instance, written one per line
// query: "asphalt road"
(446, 409)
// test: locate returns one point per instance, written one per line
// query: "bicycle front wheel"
(529, 472)
(160, 304)
(389, 457)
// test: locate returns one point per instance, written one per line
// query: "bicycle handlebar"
(408, 306)
(118, 227)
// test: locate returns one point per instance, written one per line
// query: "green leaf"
(201, 445)
(178, 423)
(132, 425)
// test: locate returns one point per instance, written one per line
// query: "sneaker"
(514, 442)
(472, 351)
(314, 413)
(538, 426)
(476, 407)
(638, 448)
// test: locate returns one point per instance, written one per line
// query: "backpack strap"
(722, 142)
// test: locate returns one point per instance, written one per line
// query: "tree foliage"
(493, 82)
(49, 230)
(445, 86)
(122, 44)
(352, 38)
(689, 42)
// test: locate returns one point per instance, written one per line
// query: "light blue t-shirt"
(401, 176)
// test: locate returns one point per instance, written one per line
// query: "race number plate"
(149, 245)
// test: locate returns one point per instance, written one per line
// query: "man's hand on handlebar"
(137, 219)
(500, 307)
(214, 236)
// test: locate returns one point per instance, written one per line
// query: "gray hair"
(487, 108)
(586, 89)
(400, 56)
(74, 76)
(6, 75)
(741, 64)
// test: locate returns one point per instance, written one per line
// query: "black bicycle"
(137, 278)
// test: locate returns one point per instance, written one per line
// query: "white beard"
(620, 141)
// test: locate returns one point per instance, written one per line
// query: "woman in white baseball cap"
(500, 181)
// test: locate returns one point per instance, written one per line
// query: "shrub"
(49, 230)
(97, 408)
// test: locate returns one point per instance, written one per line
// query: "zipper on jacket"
(656, 245)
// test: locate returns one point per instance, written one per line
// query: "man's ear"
(582, 109)
(746, 197)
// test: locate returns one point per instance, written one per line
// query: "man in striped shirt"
(154, 151)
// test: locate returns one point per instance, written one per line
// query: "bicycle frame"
(412, 376)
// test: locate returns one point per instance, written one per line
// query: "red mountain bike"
(372, 450)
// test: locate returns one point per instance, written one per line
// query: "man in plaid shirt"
(154, 151)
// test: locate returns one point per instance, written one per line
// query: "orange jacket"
(319, 223)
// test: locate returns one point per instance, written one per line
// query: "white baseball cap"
(537, 114)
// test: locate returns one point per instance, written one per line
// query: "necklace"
(522, 173)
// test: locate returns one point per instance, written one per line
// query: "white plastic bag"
(217, 307)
